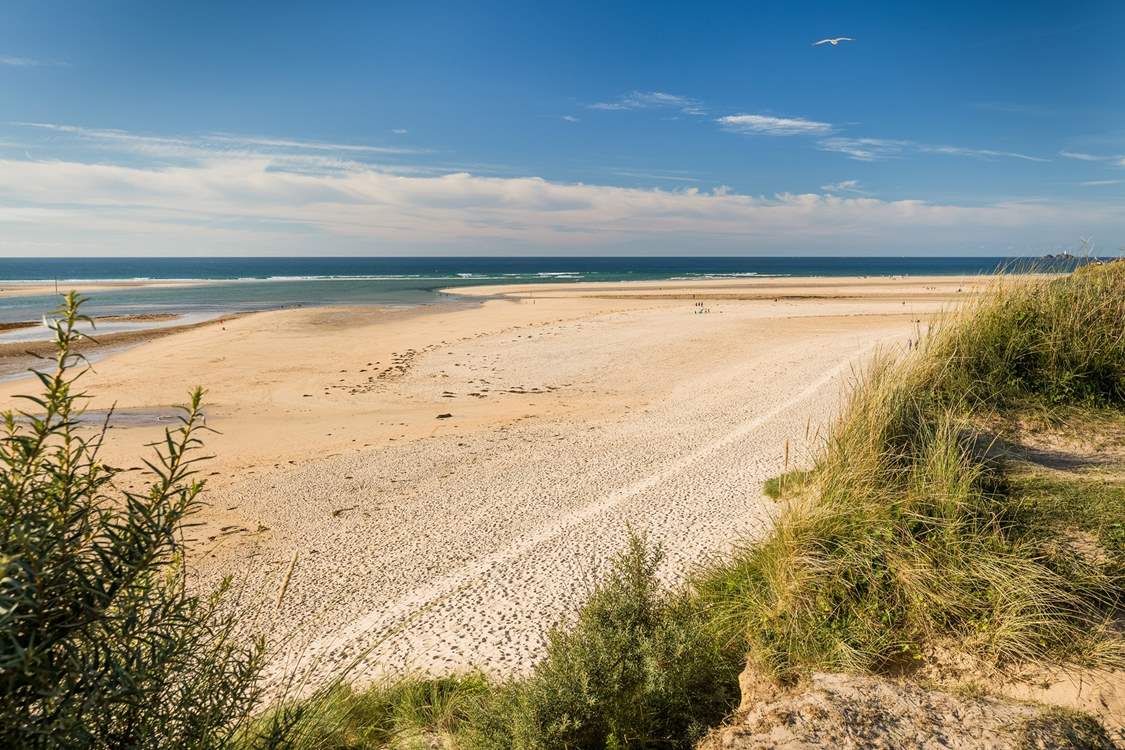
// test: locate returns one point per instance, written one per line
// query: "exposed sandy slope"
(833, 711)
(465, 538)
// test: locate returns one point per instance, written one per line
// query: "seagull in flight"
(835, 41)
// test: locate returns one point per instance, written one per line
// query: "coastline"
(948, 288)
(388, 290)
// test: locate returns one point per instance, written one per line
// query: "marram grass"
(906, 533)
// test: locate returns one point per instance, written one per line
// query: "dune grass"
(1052, 343)
(907, 532)
(1091, 503)
(412, 711)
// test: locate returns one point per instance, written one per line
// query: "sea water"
(230, 285)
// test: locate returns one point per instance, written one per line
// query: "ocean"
(233, 285)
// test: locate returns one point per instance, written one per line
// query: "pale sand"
(573, 417)
(36, 288)
(749, 288)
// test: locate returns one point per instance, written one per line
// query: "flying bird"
(835, 41)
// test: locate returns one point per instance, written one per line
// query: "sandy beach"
(450, 480)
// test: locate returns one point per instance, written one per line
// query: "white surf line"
(449, 584)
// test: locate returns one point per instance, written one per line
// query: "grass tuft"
(406, 712)
(1048, 343)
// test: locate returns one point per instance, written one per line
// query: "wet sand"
(21, 356)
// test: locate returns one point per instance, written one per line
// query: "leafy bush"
(101, 644)
(641, 668)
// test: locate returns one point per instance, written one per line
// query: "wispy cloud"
(1099, 183)
(28, 62)
(865, 149)
(653, 100)
(1082, 157)
(878, 149)
(1117, 159)
(844, 186)
(400, 131)
(18, 62)
(769, 125)
(1012, 108)
(659, 176)
(240, 140)
(211, 139)
(983, 153)
(281, 153)
(571, 118)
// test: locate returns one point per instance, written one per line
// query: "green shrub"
(641, 668)
(101, 645)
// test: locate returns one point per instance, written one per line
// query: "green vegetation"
(101, 646)
(1094, 503)
(408, 712)
(774, 487)
(909, 530)
(641, 668)
(1052, 343)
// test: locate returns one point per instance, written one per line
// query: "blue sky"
(207, 128)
